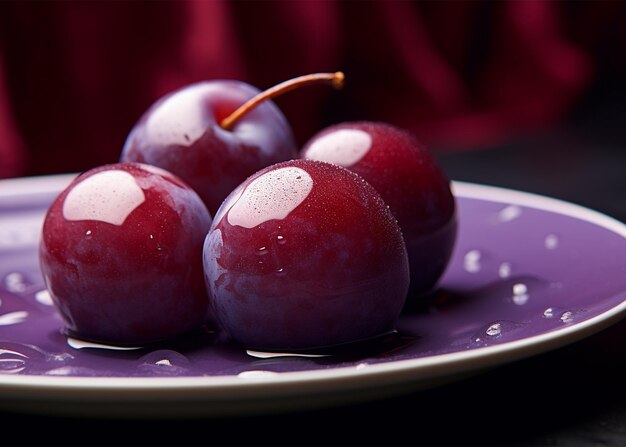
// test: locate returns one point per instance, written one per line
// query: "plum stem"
(335, 79)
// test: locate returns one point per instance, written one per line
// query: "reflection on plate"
(529, 274)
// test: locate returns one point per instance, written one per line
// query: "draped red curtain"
(76, 75)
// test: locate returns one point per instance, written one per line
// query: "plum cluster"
(307, 247)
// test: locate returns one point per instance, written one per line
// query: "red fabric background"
(76, 75)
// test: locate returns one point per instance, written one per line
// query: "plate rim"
(385, 373)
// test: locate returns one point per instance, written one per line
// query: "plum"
(121, 255)
(410, 181)
(303, 255)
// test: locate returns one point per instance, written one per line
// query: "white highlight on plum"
(178, 120)
(157, 171)
(270, 196)
(108, 196)
(344, 147)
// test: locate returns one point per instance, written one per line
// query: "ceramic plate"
(528, 274)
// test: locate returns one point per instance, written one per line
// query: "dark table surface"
(571, 396)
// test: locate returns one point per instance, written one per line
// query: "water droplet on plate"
(509, 213)
(473, 256)
(520, 289)
(164, 363)
(471, 261)
(494, 330)
(520, 294)
(12, 366)
(520, 300)
(83, 344)
(504, 271)
(271, 355)
(565, 316)
(551, 242)
(15, 282)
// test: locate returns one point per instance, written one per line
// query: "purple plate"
(529, 274)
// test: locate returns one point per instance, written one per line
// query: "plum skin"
(333, 270)
(416, 189)
(181, 133)
(133, 283)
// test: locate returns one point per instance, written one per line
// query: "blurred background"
(524, 93)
